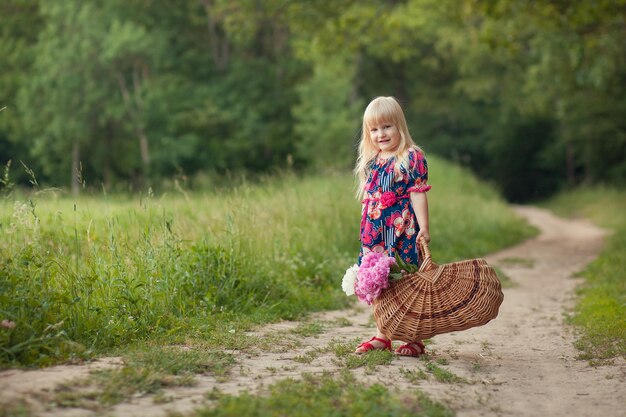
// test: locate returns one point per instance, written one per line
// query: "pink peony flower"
(388, 199)
(373, 276)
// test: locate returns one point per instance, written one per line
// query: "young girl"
(392, 174)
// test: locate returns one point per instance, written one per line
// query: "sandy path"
(522, 364)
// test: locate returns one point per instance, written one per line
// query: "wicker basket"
(438, 299)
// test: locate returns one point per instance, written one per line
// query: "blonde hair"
(381, 110)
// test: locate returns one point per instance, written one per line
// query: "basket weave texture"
(438, 299)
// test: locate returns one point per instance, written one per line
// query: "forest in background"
(127, 94)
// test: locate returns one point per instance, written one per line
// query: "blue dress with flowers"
(389, 223)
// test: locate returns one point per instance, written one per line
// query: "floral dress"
(389, 223)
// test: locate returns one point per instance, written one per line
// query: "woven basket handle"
(426, 259)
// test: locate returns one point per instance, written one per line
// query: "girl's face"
(385, 137)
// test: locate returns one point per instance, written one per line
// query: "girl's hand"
(424, 233)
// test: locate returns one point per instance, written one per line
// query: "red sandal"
(410, 348)
(368, 346)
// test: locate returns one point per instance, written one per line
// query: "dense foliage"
(529, 94)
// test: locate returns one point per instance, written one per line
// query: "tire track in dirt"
(521, 364)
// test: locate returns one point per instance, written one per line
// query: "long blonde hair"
(381, 110)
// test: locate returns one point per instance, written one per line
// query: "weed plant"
(442, 374)
(86, 275)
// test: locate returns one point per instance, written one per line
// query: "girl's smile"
(386, 137)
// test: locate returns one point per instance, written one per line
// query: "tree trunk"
(139, 116)
(107, 169)
(401, 90)
(134, 105)
(76, 174)
(569, 163)
(220, 48)
(143, 147)
(280, 37)
(356, 79)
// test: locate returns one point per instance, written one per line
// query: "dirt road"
(521, 364)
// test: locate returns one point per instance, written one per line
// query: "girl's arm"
(419, 201)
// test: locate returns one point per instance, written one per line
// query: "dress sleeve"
(417, 173)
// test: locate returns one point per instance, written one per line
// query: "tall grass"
(601, 308)
(87, 274)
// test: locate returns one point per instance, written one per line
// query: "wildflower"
(7, 324)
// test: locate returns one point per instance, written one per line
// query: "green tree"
(143, 89)
(327, 118)
(21, 22)
(61, 103)
(92, 69)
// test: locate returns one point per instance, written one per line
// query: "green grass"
(370, 360)
(146, 370)
(16, 409)
(326, 396)
(442, 374)
(414, 376)
(600, 311)
(309, 328)
(422, 372)
(80, 277)
(308, 357)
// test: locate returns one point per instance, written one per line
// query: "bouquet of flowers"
(369, 279)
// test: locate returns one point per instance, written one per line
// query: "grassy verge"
(601, 308)
(84, 276)
(326, 396)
